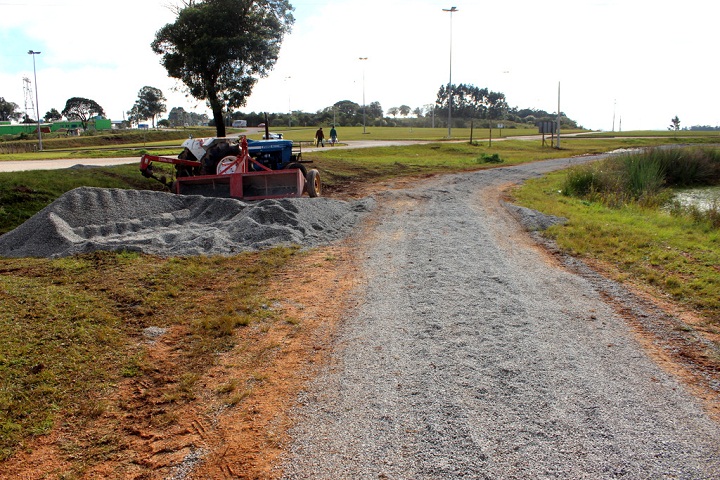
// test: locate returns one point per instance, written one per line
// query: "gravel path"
(471, 355)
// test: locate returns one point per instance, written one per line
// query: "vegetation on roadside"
(22, 194)
(621, 213)
(72, 329)
(99, 144)
(646, 178)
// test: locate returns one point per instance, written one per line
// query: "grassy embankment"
(621, 214)
(69, 332)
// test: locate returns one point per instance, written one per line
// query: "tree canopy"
(9, 110)
(52, 115)
(83, 109)
(178, 117)
(219, 48)
(149, 104)
(469, 101)
(674, 123)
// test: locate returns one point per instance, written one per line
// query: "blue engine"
(274, 154)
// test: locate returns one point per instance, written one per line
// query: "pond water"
(703, 198)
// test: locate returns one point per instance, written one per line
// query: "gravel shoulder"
(474, 354)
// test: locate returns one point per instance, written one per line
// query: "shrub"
(645, 175)
(641, 177)
(580, 182)
(485, 158)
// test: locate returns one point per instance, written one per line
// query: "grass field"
(674, 257)
(69, 326)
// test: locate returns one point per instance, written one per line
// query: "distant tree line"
(704, 128)
(470, 104)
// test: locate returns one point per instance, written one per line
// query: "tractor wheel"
(223, 164)
(312, 183)
(215, 154)
(299, 166)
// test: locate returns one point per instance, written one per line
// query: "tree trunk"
(219, 121)
(217, 110)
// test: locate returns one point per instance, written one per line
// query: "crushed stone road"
(473, 355)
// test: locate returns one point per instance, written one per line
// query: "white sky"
(639, 61)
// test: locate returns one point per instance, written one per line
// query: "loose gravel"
(88, 219)
(471, 355)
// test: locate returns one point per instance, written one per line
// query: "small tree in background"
(52, 115)
(83, 109)
(148, 105)
(674, 124)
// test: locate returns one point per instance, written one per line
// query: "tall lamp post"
(37, 104)
(362, 59)
(451, 10)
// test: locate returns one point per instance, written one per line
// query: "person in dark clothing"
(319, 138)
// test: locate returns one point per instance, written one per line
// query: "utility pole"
(37, 104)
(558, 119)
(362, 59)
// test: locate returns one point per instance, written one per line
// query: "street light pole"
(451, 10)
(558, 118)
(37, 104)
(363, 60)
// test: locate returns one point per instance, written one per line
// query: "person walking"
(333, 136)
(319, 137)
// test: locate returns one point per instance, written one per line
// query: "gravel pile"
(532, 220)
(88, 219)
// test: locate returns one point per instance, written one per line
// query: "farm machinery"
(237, 168)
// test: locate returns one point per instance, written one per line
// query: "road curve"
(473, 355)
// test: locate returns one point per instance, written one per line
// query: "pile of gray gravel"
(88, 219)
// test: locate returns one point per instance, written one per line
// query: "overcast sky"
(639, 62)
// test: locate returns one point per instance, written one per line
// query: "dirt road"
(473, 354)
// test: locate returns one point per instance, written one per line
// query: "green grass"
(340, 166)
(674, 256)
(22, 194)
(394, 133)
(715, 136)
(71, 330)
(56, 146)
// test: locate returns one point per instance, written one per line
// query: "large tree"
(219, 49)
(9, 110)
(149, 104)
(83, 109)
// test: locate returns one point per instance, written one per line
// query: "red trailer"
(238, 176)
